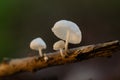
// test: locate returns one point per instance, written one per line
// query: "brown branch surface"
(74, 55)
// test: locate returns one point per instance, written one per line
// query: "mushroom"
(38, 44)
(59, 45)
(45, 57)
(68, 31)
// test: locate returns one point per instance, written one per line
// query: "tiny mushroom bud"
(45, 58)
(38, 44)
(68, 31)
(59, 45)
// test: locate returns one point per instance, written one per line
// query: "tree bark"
(78, 54)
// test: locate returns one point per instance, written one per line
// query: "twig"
(74, 55)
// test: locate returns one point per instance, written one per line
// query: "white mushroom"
(59, 45)
(45, 57)
(68, 31)
(38, 44)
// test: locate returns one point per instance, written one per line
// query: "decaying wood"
(74, 55)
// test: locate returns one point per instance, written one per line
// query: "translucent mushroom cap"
(59, 45)
(60, 30)
(37, 44)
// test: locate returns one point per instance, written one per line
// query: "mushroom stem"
(66, 43)
(61, 52)
(40, 52)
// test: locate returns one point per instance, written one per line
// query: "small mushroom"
(68, 31)
(45, 57)
(38, 44)
(59, 45)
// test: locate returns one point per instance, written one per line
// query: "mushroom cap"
(59, 44)
(37, 43)
(60, 30)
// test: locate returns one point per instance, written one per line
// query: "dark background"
(23, 20)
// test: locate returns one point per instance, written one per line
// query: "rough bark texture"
(35, 63)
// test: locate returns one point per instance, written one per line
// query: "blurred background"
(23, 20)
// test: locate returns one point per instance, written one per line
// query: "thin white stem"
(40, 52)
(61, 52)
(66, 43)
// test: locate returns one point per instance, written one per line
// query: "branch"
(74, 55)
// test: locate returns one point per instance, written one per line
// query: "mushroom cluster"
(67, 31)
